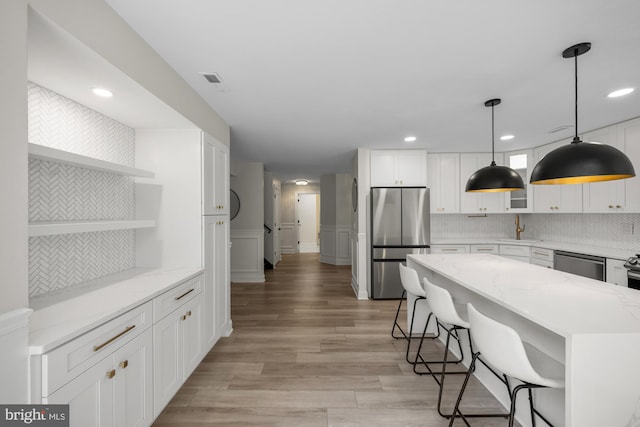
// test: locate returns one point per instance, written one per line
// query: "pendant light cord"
(576, 81)
(493, 152)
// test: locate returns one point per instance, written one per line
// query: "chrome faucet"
(519, 230)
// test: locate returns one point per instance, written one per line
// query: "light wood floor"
(305, 352)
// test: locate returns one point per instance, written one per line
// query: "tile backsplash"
(610, 230)
(60, 192)
(471, 226)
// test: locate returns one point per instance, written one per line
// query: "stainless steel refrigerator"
(399, 226)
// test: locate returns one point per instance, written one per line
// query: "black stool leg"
(533, 414)
(395, 321)
(456, 408)
(427, 362)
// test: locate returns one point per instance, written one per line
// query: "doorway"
(308, 222)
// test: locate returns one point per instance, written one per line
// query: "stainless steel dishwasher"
(589, 266)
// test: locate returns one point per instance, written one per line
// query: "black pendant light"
(581, 162)
(494, 178)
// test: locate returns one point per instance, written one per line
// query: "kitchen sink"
(519, 241)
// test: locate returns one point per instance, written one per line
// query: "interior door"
(307, 221)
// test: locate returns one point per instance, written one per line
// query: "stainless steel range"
(633, 271)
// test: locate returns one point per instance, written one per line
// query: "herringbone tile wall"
(58, 122)
(65, 193)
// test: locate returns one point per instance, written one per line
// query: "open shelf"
(68, 227)
(49, 154)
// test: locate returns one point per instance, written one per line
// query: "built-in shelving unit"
(67, 227)
(49, 154)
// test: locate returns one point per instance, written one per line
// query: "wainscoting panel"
(335, 246)
(247, 255)
(288, 243)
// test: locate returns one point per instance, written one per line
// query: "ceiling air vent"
(560, 128)
(212, 77)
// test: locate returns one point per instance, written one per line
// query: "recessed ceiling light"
(620, 92)
(105, 93)
(410, 139)
(302, 182)
(506, 137)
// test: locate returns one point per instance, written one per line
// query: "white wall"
(171, 196)
(247, 229)
(13, 155)
(335, 219)
(14, 211)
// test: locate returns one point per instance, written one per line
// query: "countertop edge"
(43, 339)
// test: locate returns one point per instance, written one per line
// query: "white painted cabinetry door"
(443, 171)
(215, 176)
(90, 397)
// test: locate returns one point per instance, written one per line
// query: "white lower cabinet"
(123, 372)
(517, 252)
(484, 249)
(217, 299)
(616, 272)
(117, 391)
(177, 350)
(449, 249)
(542, 257)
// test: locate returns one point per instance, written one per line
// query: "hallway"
(305, 352)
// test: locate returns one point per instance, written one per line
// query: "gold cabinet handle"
(183, 317)
(109, 341)
(185, 294)
(449, 250)
(189, 313)
(618, 206)
(111, 373)
(124, 364)
(539, 253)
(610, 206)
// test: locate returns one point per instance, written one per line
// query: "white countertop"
(62, 317)
(607, 252)
(561, 302)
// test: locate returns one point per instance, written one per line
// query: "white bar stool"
(502, 348)
(411, 284)
(443, 307)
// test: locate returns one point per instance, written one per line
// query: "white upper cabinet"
(443, 171)
(215, 174)
(555, 198)
(630, 133)
(398, 168)
(608, 196)
(520, 200)
(478, 202)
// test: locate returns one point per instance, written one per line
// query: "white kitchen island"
(591, 328)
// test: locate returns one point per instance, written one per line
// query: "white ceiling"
(61, 63)
(307, 82)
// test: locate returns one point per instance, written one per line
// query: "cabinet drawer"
(542, 254)
(450, 249)
(484, 249)
(541, 262)
(174, 298)
(64, 363)
(515, 250)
